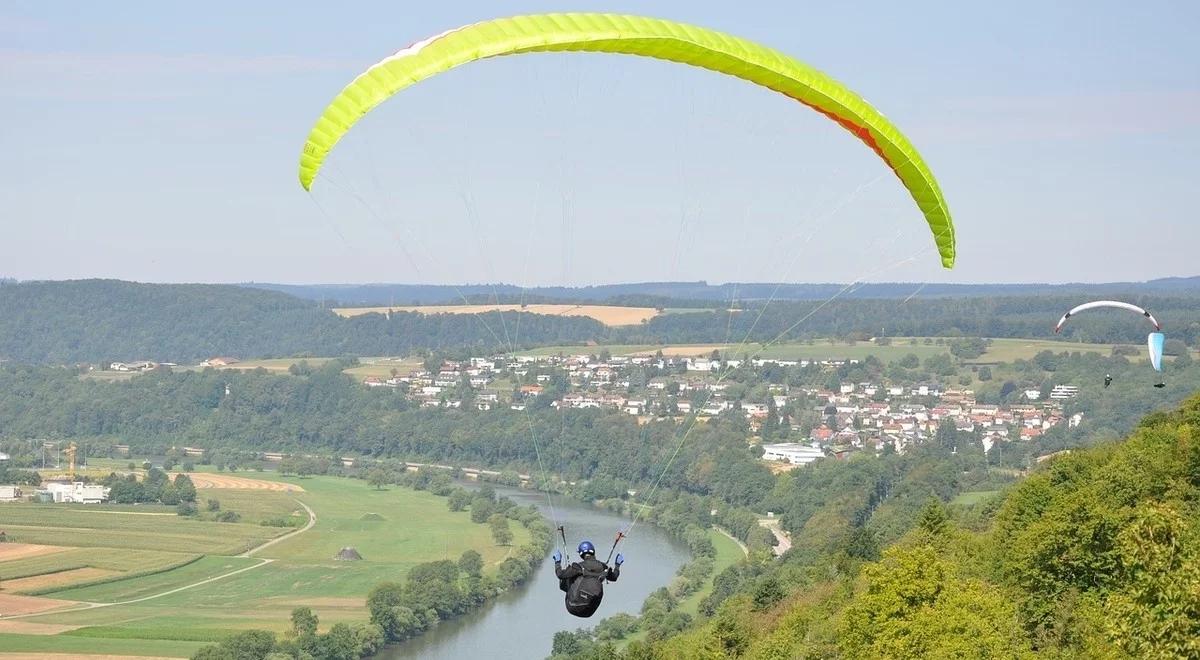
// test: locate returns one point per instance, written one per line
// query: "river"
(521, 622)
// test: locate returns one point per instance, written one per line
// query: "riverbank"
(522, 623)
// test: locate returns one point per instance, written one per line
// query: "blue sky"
(158, 142)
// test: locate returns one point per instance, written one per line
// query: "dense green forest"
(1095, 555)
(1013, 316)
(105, 320)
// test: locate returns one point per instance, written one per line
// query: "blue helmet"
(586, 548)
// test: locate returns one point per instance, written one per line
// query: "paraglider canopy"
(646, 37)
(1154, 342)
(1106, 303)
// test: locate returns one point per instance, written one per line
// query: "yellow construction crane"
(70, 452)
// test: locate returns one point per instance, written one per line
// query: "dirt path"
(785, 543)
(312, 520)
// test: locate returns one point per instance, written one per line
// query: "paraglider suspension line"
(620, 535)
(562, 533)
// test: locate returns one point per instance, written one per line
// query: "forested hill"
(109, 320)
(408, 294)
(1095, 555)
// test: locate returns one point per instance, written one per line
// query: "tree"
(213, 504)
(459, 499)
(1156, 613)
(185, 490)
(304, 622)
(481, 509)
(339, 643)
(915, 607)
(1174, 347)
(767, 592)
(377, 477)
(985, 373)
(501, 533)
(933, 519)
(471, 563)
(247, 645)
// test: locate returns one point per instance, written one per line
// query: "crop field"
(55, 525)
(606, 314)
(220, 593)
(117, 560)
(368, 366)
(231, 482)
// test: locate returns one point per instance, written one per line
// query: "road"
(312, 520)
(784, 543)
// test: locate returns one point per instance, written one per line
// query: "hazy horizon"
(601, 284)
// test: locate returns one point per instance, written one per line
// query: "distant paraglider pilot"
(583, 581)
(1107, 380)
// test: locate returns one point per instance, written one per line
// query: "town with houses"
(857, 416)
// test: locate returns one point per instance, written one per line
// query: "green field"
(728, 553)
(972, 498)
(131, 589)
(368, 366)
(416, 527)
(11, 643)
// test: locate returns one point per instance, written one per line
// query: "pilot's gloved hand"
(620, 559)
(557, 556)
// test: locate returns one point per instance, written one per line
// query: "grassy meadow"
(1000, 350)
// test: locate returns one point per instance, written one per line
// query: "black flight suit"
(584, 583)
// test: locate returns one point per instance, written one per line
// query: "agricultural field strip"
(211, 543)
(113, 559)
(312, 520)
(611, 315)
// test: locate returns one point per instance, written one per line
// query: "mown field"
(415, 527)
(368, 366)
(728, 553)
(607, 314)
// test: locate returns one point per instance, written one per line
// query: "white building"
(77, 492)
(1064, 392)
(10, 493)
(792, 452)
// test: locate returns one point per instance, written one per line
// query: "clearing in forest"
(606, 314)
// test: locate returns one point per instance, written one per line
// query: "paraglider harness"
(586, 590)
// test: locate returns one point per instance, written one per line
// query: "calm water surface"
(521, 623)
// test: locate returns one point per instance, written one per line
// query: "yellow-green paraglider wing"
(647, 37)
